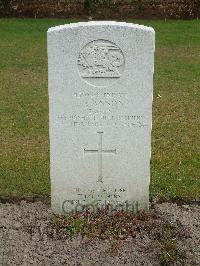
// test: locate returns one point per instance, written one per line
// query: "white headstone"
(100, 94)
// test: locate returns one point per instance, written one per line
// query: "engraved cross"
(100, 152)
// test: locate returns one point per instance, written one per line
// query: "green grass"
(24, 144)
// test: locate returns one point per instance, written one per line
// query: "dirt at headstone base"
(27, 238)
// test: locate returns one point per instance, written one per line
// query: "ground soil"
(28, 238)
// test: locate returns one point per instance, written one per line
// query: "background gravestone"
(100, 100)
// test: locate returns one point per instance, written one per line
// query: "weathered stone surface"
(100, 100)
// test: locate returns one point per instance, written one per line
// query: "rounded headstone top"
(99, 24)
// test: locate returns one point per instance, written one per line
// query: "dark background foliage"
(101, 9)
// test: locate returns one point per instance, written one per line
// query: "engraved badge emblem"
(100, 62)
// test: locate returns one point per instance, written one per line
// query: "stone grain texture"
(100, 95)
